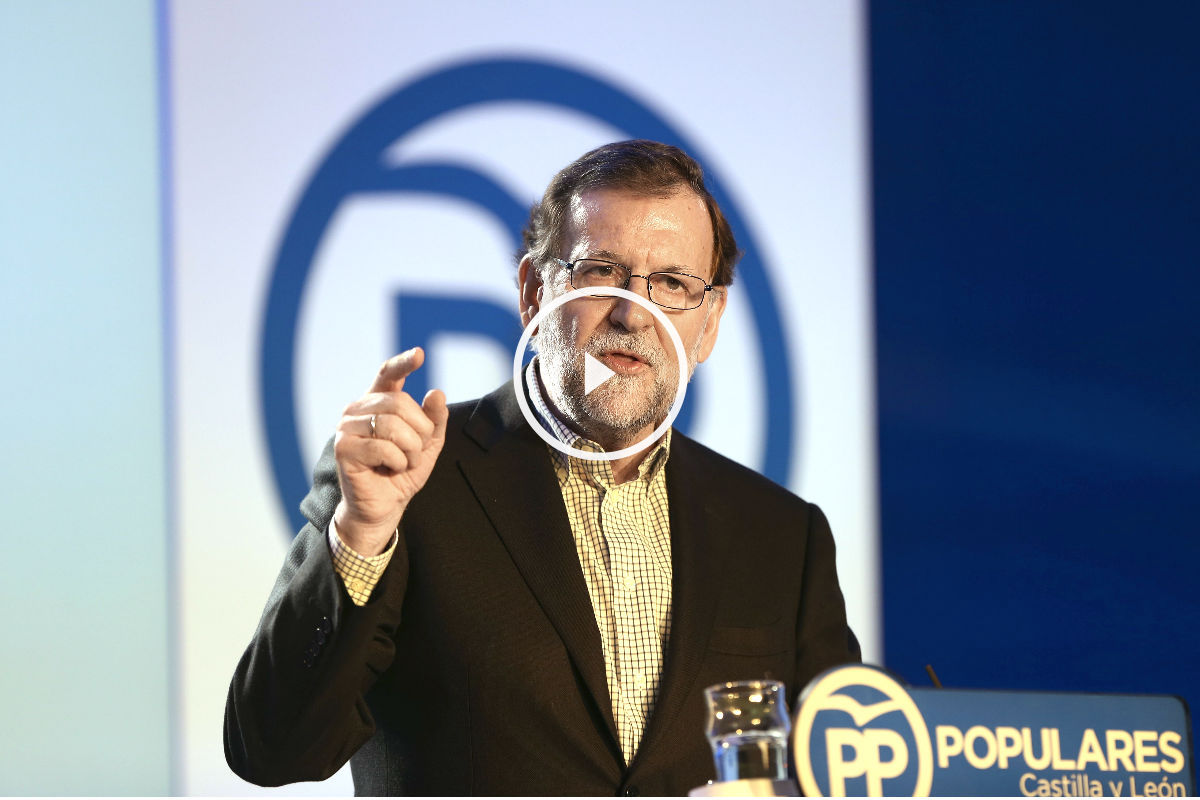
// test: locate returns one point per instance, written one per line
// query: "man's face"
(645, 234)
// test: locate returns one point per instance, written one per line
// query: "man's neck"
(626, 469)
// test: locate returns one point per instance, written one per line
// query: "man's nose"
(630, 315)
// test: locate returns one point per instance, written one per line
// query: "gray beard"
(617, 411)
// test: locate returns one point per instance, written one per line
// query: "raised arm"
(296, 708)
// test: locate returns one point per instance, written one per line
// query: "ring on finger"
(372, 423)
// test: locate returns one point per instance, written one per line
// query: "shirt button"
(358, 585)
(639, 680)
(629, 582)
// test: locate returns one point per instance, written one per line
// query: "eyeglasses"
(675, 290)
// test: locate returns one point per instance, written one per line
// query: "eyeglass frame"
(570, 265)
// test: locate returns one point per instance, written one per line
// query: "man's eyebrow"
(605, 255)
(616, 258)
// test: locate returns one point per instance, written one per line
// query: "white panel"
(770, 93)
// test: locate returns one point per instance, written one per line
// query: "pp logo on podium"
(860, 733)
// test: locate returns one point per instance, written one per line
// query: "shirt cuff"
(359, 573)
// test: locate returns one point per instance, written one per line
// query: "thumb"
(434, 406)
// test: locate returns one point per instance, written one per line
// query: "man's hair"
(640, 166)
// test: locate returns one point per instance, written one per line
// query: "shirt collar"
(564, 465)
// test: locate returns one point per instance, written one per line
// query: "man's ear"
(712, 323)
(529, 282)
(531, 288)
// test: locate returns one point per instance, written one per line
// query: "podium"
(858, 731)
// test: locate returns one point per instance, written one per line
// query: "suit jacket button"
(630, 791)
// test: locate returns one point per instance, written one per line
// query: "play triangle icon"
(594, 373)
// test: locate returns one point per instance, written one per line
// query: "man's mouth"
(623, 362)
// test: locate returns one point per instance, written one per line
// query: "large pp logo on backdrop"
(356, 165)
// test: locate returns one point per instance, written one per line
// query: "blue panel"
(1036, 220)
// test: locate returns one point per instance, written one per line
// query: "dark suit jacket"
(476, 666)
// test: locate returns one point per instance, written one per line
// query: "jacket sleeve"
(296, 709)
(823, 638)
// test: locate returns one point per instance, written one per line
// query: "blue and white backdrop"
(345, 182)
(217, 218)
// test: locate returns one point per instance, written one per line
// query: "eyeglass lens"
(669, 289)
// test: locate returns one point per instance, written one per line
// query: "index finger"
(393, 372)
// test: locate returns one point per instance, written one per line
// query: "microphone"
(933, 676)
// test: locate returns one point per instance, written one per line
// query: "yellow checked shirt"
(360, 574)
(623, 538)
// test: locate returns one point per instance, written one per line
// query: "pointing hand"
(386, 446)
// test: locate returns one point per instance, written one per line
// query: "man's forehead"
(601, 220)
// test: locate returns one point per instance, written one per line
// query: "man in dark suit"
(472, 611)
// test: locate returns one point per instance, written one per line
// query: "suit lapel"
(693, 587)
(515, 483)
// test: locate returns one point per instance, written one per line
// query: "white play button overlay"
(594, 373)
